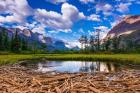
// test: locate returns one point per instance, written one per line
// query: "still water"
(79, 66)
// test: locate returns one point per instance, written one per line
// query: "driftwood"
(17, 79)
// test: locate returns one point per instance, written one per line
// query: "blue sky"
(66, 19)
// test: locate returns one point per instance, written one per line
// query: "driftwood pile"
(17, 79)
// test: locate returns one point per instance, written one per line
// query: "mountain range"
(52, 43)
(128, 28)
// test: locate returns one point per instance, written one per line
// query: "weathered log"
(57, 90)
(95, 90)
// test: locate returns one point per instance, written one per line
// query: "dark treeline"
(108, 45)
(17, 44)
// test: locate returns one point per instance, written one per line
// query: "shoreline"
(12, 59)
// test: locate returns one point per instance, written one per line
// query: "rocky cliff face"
(129, 25)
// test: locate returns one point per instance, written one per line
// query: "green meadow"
(14, 58)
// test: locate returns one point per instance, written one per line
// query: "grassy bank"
(13, 58)
(96, 57)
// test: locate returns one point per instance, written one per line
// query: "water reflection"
(77, 66)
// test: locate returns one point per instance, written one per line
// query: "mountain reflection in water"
(77, 66)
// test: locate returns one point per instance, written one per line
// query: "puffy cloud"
(94, 17)
(72, 44)
(60, 30)
(52, 19)
(12, 18)
(12, 10)
(56, 1)
(87, 1)
(31, 25)
(53, 32)
(102, 28)
(59, 21)
(34, 27)
(71, 12)
(123, 7)
(39, 29)
(105, 8)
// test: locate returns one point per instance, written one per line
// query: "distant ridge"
(127, 26)
(128, 30)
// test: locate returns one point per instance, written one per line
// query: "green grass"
(13, 58)
(96, 57)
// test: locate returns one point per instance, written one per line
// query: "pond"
(79, 66)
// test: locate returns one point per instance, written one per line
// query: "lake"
(79, 66)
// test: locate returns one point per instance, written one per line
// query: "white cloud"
(87, 1)
(94, 17)
(106, 9)
(15, 10)
(102, 28)
(71, 12)
(12, 18)
(39, 29)
(123, 7)
(31, 25)
(58, 21)
(56, 1)
(42, 38)
(53, 32)
(60, 30)
(34, 26)
(72, 44)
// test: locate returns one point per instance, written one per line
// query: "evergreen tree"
(1, 41)
(4, 40)
(92, 43)
(107, 44)
(34, 47)
(16, 43)
(12, 43)
(43, 46)
(85, 42)
(98, 39)
(24, 44)
(130, 45)
(82, 40)
(115, 43)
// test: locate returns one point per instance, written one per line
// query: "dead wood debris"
(17, 79)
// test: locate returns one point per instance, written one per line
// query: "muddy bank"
(17, 79)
